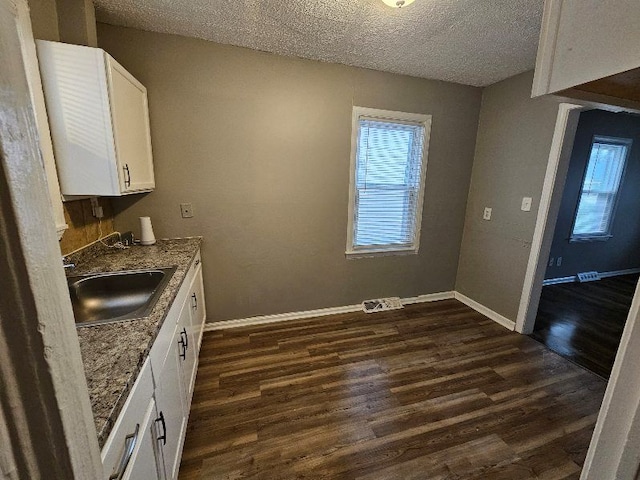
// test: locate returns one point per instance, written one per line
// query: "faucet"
(66, 265)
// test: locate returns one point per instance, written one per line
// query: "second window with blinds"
(388, 169)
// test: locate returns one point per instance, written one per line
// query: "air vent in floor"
(588, 277)
(381, 304)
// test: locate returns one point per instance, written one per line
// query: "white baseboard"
(320, 312)
(429, 297)
(487, 312)
(574, 278)
(559, 280)
(615, 273)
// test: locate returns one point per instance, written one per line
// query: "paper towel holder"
(146, 231)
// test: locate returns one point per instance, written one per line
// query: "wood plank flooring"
(584, 321)
(433, 391)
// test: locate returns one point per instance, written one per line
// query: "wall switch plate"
(186, 209)
(487, 213)
(526, 204)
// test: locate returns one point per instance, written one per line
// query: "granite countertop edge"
(113, 354)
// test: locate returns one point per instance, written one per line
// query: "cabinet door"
(143, 461)
(130, 116)
(189, 353)
(171, 421)
(198, 309)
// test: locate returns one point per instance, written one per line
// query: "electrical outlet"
(551, 262)
(96, 209)
(186, 209)
(558, 261)
(526, 204)
(487, 213)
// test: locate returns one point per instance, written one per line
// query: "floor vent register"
(588, 277)
(382, 304)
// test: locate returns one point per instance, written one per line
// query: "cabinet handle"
(186, 338)
(183, 354)
(162, 437)
(194, 304)
(129, 446)
(127, 180)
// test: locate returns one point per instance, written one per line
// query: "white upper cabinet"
(99, 121)
(590, 49)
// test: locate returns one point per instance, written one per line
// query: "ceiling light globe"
(398, 3)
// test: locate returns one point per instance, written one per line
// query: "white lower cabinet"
(143, 460)
(172, 421)
(147, 439)
(129, 449)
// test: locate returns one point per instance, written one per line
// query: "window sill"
(593, 238)
(379, 253)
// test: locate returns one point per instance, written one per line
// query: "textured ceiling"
(475, 42)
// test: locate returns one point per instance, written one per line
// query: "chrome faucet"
(66, 265)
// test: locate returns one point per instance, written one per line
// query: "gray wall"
(622, 251)
(260, 145)
(68, 21)
(512, 151)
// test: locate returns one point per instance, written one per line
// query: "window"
(600, 187)
(388, 165)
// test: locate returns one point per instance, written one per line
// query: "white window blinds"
(388, 184)
(600, 187)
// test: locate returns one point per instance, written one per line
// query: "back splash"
(83, 226)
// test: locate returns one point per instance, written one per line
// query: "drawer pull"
(130, 442)
(194, 304)
(162, 437)
(127, 180)
(184, 343)
(186, 337)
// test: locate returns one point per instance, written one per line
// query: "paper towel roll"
(146, 231)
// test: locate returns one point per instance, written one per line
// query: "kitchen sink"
(99, 298)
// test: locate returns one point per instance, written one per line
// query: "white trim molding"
(574, 278)
(550, 198)
(546, 48)
(320, 312)
(487, 312)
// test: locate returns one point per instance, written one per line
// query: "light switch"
(187, 210)
(487, 213)
(526, 204)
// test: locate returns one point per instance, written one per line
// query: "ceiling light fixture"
(398, 3)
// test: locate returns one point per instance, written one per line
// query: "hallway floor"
(583, 322)
(433, 391)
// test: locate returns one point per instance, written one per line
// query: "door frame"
(614, 451)
(48, 430)
(550, 200)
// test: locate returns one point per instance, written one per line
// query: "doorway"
(594, 259)
(616, 438)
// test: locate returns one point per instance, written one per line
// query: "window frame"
(601, 237)
(395, 117)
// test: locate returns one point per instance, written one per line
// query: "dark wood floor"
(434, 391)
(584, 321)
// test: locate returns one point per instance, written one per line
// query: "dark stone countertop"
(113, 354)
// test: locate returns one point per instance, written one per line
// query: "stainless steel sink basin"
(108, 297)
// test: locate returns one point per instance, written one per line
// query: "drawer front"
(193, 269)
(132, 414)
(160, 348)
(198, 308)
